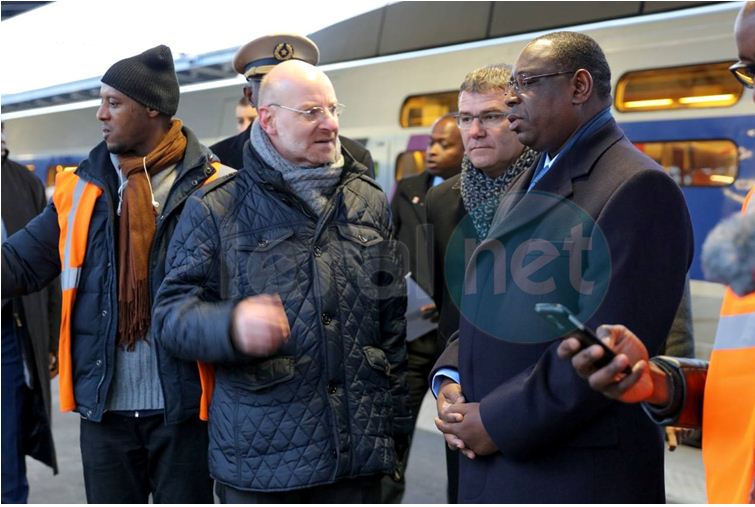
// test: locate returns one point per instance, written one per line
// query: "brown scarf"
(137, 229)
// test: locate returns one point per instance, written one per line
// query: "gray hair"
(489, 78)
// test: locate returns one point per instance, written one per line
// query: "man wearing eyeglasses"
(286, 279)
(529, 429)
(255, 59)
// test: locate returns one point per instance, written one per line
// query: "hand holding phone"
(567, 324)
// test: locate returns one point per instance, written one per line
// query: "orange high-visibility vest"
(74, 200)
(729, 404)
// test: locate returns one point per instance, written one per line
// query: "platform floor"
(425, 474)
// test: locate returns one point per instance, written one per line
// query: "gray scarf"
(314, 185)
(481, 194)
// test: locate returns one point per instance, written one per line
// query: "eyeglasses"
(315, 113)
(488, 119)
(744, 73)
(520, 82)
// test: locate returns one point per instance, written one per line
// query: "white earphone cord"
(154, 202)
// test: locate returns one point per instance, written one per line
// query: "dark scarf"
(136, 231)
(482, 194)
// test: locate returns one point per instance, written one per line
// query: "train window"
(423, 110)
(698, 163)
(691, 86)
(409, 163)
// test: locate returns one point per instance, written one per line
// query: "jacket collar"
(192, 170)
(520, 207)
(415, 185)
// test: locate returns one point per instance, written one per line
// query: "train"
(672, 95)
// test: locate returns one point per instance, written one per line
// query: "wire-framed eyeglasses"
(315, 113)
(488, 119)
(744, 72)
(521, 82)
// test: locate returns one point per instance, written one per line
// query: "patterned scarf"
(481, 194)
(136, 231)
(314, 185)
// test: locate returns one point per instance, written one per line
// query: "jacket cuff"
(686, 389)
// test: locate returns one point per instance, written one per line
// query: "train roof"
(392, 29)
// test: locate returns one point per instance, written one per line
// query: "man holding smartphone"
(691, 393)
(596, 226)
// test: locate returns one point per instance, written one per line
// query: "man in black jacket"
(284, 277)
(30, 344)
(254, 60)
(443, 160)
(106, 233)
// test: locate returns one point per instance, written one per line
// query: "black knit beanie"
(149, 78)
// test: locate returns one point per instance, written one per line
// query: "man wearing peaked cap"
(254, 60)
(111, 220)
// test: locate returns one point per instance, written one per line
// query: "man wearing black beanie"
(106, 232)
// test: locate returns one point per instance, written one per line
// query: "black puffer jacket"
(327, 405)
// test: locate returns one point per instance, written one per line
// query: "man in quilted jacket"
(285, 278)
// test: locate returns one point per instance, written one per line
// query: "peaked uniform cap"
(256, 58)
(149, 78)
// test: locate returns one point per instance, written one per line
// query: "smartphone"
(566, 323)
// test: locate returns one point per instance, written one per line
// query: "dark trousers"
(126, 458)
(15, 394)
(422, 355)
(358, 490)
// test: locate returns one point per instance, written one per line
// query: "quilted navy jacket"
(326, 406)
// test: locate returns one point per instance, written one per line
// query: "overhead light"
(721, 178)
(635, 104)
(709, 100)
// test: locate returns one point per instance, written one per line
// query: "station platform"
(426, 473)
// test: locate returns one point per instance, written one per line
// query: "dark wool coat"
(23, 198)
(558, 440)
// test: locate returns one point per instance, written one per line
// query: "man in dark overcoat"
(598, 227)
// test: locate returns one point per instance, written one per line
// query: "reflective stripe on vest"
(729, 413)
(74, 201)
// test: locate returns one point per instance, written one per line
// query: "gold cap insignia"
(283, 51)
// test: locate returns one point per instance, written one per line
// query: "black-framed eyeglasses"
(744, 72)
(315, 113)
(488, 119)
(520, 82)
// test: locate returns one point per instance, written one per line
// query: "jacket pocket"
(264, 241)
(360, 234)
(376, 359)
(267, 373)
(262, 262)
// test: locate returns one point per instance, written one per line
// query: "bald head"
(291, 76)
(296, 109)
(445, 151)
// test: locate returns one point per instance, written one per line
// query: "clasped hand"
(461, 424)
